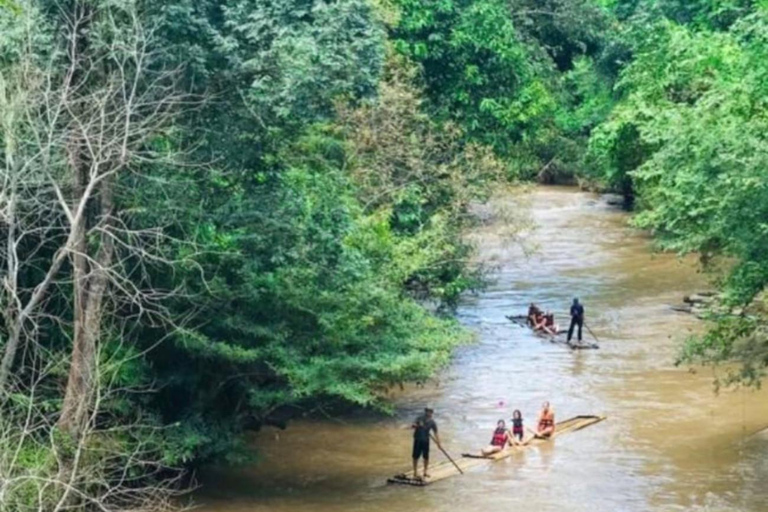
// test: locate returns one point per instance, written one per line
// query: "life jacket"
(499, 437)
(546, 422)
(517, 426)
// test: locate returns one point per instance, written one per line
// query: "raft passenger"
(533, 314)
(546, 424)
(499, 440)
(517, 427)
(541, 323)
(549, 324)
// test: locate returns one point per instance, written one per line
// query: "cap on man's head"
(428, 410)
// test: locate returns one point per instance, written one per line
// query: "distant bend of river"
(669, 444)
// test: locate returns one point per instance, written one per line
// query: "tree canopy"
(687, 140)
(220, 215)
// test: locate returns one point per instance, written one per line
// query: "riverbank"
(669, 442)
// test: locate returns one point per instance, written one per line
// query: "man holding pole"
(577, 318)
(422, 428)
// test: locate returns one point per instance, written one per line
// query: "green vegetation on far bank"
(686, 141)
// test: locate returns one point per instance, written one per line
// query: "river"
(669, 443)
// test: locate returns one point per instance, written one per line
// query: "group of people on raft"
(504, 437)
(541, 321)
(425, 426)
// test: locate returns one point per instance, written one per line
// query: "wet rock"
(700, 298)
(614, 199)
(705, 304)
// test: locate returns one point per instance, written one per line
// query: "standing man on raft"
(422, 428)
(577, 318)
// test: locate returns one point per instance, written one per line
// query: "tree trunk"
(10, 284)
(78, 373)
(90, 291)
(11, 347)
(77, 392)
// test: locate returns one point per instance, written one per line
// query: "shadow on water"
(670, 444)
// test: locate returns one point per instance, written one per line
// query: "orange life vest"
(547, 421)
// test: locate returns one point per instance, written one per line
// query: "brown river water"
(669, 443)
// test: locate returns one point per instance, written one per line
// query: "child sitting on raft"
(499, 440)
(517, 428)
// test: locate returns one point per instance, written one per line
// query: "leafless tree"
(76, 118)
(92, 472)
(81, 104)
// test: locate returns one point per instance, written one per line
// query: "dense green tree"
(283, 231)
(312, 276)
(564, 29)
(717, 14)
(268, 69)
(261, 281)
(476, 67)
(688, 140)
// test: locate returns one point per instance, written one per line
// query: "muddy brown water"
(669, 444)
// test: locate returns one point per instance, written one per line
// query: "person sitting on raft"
(517, 427)
(546, 323)
(546, 424)
(533, 314)
(549, 324)
(499, 440)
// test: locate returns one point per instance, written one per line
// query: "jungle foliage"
(220, 215)
(216, 216)
(686, 142)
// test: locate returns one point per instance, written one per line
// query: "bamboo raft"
(560, 338)
(446, 469)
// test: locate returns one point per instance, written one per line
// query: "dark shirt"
(423, 427)
(577, 311)
(517, 423)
